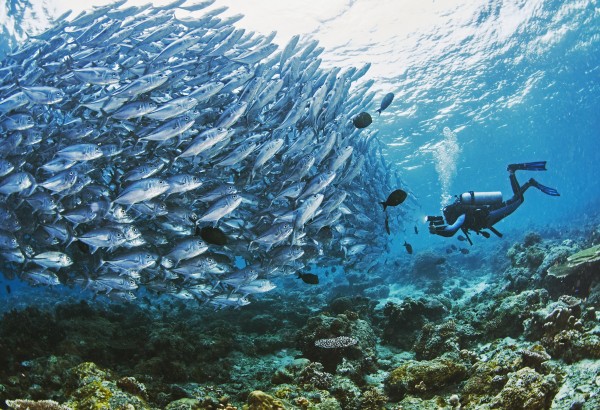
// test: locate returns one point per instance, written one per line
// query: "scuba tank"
(480, 198)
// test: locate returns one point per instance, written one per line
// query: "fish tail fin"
(379, 111)
(293, 237)
(72, 239)
(384, 205)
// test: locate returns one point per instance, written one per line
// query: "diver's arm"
(448, 230)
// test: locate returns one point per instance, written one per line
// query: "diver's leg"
(545, 189)
(519, 190)
(513, 203)
(528, 166)
(514, 184)
(506, 209)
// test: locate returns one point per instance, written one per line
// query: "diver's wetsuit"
(476, 217)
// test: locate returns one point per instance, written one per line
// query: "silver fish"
(171, 129)
(44, 95)
(97, 75)
(80, 152)
(187, 249)
(142, 191)
(182, 183)
(221, 208)
(52, 259)
(205, 141)
(16, 183)
(276, 234)
(102, 238)
(41, 277)
(134, 109)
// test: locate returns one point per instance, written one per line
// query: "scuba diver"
(476, 211)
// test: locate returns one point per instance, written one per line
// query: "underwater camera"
(435, 220)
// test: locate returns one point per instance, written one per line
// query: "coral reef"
(402, 322)
(423, 378)
(258, 400)
(521, 336)
(586, 256)
(330, 327)
(35, 405)
(563, 329)
(93, 388)
(428, 264)
(526, 389)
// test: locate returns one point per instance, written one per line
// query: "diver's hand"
(440, 230)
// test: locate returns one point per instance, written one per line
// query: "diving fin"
(544, 188)
(528, 166)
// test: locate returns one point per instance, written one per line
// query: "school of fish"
(182, 155)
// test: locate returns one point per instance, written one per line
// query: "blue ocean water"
(508, 81)
(529, 94)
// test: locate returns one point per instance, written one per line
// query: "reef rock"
(526, 389)
(424, 378)
(358, 334)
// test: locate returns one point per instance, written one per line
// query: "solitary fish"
(309, 278)
(387, 100)
(214, 236)
(408, 247)
(362, 120)
(394, 199)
